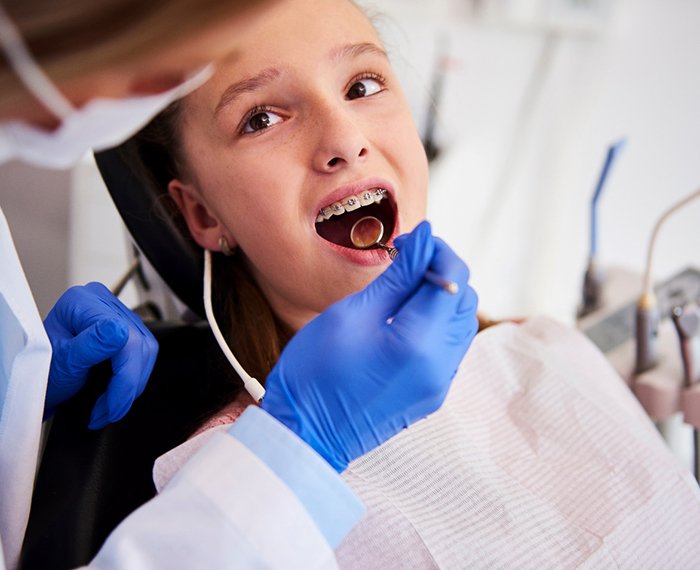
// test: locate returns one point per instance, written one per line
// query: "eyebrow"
(356, 50)
(247, 85)
(266, 76)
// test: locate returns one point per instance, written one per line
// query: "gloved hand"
(378, 360)
(86, 326)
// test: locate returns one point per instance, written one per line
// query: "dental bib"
(540, 457)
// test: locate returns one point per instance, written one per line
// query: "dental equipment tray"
(617, 327)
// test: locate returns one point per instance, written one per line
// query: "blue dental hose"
(613, 151)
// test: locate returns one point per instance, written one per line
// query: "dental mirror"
(366, 232)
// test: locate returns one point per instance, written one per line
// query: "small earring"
(225, 247)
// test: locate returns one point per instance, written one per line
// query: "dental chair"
(89, 481)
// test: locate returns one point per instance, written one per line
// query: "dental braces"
(350, 203)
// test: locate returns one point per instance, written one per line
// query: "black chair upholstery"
(178, 261)
(89, 481)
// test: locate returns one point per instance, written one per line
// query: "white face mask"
(100, 124)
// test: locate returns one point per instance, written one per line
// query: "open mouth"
(335, 221)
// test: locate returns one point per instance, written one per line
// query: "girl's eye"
(364, 88)
(261, 120)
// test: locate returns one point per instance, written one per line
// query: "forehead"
(302, 32)
(295, 38)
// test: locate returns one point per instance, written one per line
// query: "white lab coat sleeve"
(326, 497)
(25, 355)
(228, 508)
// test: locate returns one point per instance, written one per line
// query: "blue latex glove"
(86, 326)
(349, 380)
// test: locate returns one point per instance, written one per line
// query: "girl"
(539, 456)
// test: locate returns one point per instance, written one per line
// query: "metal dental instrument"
(687, 322)
(368, 231)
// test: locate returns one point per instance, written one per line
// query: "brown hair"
(254, 333)
(71, 38)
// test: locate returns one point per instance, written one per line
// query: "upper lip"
(353, 188)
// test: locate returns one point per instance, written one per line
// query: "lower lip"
(366, 257)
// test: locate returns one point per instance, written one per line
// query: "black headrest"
(178, 261)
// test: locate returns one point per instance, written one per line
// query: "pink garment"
(167, 465)
(229, 414)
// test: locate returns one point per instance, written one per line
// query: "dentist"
(86, 75)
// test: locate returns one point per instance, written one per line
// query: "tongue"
(337, 229)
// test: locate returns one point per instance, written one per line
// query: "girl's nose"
(341, 141)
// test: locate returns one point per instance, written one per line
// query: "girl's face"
(310, 115)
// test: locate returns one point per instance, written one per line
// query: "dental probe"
(366, 232)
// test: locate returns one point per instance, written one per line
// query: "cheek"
(246, 193)
(262, 221)
(251, 217)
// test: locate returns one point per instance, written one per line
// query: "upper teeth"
(350, 203)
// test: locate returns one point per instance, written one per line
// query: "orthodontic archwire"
(336, 210)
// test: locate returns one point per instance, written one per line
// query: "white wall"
(36, 205)
(512, 191)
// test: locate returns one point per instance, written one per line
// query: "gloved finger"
(446, 263)
(112, 303)
(449, 265)
(469, 303)
(383, 296)
(430, 308)
(132, 367)
(141, 339)
(65, 320)
(113, 404)
(98, 342)
(74, 356)
(79, 307)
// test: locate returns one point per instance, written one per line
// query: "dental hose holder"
(647, 318)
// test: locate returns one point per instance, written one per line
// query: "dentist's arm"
(86, 326)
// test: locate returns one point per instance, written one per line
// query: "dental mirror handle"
(450, 286)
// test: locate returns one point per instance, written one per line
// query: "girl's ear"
(203, 225)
